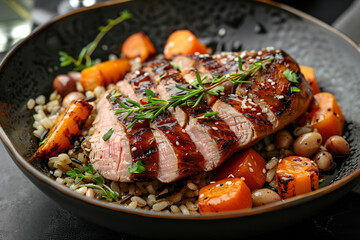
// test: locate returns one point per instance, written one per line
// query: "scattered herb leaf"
(108, 134)
(43, 141)
(137, 167)
(290, 76)
(295, 89)
(209, 114)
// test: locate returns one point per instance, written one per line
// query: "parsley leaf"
(137, 167)
(290, 76)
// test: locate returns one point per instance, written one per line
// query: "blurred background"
(49, 221)
(19, 17)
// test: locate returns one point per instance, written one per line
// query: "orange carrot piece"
(296, 175)
(309, 75)
(104, 73)
(183, 42)
(327, 117)
(229, 194)
(67, 128)
(248, 165)
(138, 45)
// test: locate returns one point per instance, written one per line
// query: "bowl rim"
(304, 198)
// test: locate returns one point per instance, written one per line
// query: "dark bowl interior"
(29, 68)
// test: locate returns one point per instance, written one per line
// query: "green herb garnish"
(99, 182)
(43, 141)
(295, 89)
(137, 167)
(290, 76)
(190, 97)
(108, 134)
(84, 59)
(209, 114)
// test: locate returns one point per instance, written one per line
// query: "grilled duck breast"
(180, 141)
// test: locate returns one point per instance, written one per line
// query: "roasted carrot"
(326, 116)
(183, 42)
(296, 175)
(248, 165)
(67, 128)
(104, 73)
(228, 194)
(309, 75)
(138, 45)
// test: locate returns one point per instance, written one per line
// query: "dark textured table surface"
(27, 213)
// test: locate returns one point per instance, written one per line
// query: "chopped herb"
(290, 76)
(295, 89)
(178, 66)
(161, 77)
(108, 134)
(209, 114)
(43, 141)
(137, 167)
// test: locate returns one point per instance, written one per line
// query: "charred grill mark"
(190, 161)
(180, 141)
(142, 143)
(216, 127)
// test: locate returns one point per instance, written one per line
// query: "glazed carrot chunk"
(104, 73)
(183, 42)
(228, 194)
(138, 45)
(248, 165)
(309, 75)
(67, 128)
(327, 117)
(296, 175)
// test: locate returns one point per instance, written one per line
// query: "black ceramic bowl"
(29, 68)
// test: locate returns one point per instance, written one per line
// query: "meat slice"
(273, 91)
(111, 158)
(212, 136)
(244, 117)
(178, 155)
(142, 142)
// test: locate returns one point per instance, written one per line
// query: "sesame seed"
(215, 128)
(222, 32)
(133, 149)
(251, 170)
(177, 143)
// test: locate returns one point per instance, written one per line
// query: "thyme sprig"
(84, 59)
(190, 96)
